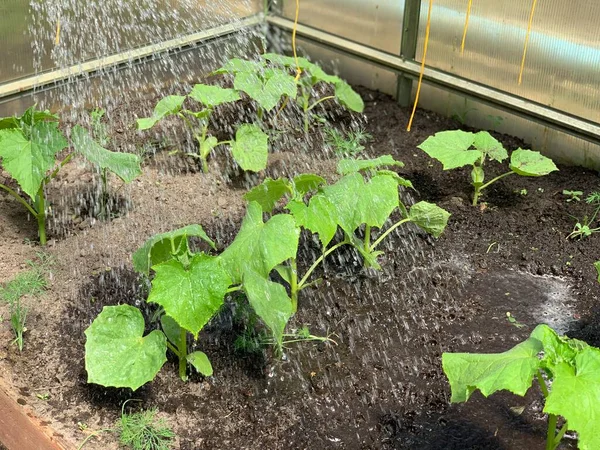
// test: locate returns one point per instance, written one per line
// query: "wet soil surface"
(381, 385)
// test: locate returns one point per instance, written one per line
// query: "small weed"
(574, 196)
(144, 431)
(523, 192)
(350, 144)
(583, 228)
(45, 396)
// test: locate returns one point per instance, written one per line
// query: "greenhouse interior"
(299, 224)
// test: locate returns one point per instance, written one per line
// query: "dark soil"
(381, 386)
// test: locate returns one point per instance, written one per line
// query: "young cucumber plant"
(584, 228)
(28, 148)
(250, 146)
(460, 148)
(567, 373)
(351, 203)
(311, 76)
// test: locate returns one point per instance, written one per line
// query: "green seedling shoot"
(584, 228)
(573, 196)
(566, 371)
(311, 76)
(460, 148)
(92, 145)
(250, 146)
(28, 148)
(350, 144)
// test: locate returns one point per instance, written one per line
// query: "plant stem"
(320, 101)
(233, 289)
(388, 231)
(60, 166)
(301, 285)
(294, 284)
(41, 215)
(183, 354)
(104, 194)
(20, 199)
(560, 435)
(552, 439)
(483, 186)
(551, 433)
(367, 245)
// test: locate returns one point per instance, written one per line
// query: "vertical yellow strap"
(422, 65)
(464, 36)
(526, 41)
(298, 69)
(57, 38)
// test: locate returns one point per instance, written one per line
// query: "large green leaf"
(159, 248)
(531, 164)
(212, 96)
(307, 182)
(486, 143)
(351, 165)
(319, 217)
(169, 105)
(125, 165)
(190, 295)
(348, 97)
(201, 363)
(557, 349)
(28, 160)
(118, 354)
(575, 395)
(451, 148)
(429, 217)
(270, 302)
(269, 193)
(266, 93)
(260, 246)
(378, 200)
(512, 370)
(250, 148)
(236, 65)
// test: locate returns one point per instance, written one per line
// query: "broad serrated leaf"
(318, 217)
(575, 395)
(260, 246)
(190, 295)
(348, 97)
(171, 104)
(236, 65)
(125, 165)
(159, 247)
(266, 93)
(531, 164)
(201, 363)
(270, 302)
(307, 182)
(512, 370)
(117, 353)
(28, 160)
(350, 165)
(7, 123)
(284, 272)
(451, 148)
(319, 75)
(212, 96)
(400, 180)
(171, 329)
(429, 217)
(346, 195)
(557, 349)
(269, 193)
(378, 200)
(493, 149)
(250, 148)
(32, 116)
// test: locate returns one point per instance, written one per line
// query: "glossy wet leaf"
(236, 65)
(212, 96)
(429, 217)
(531, 164)
(201, 363)
(125, 165)
(307, 182)
(250, 148)
(260, 246)
(190, 295)
(451, 148)
(270, 302)
(169, 105)
(117, 353)
(28, 160)
(267, 93)
(400, 180)
(348, 97)
(489, 145)
(269, 193)
(319, 217)
(557, 349)
(512, 370)
(351, 165)
(171, 329)
(575, 395)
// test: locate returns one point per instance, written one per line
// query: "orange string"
(412, 116)
(57, 38)
(464, 37)
(298, 69)
(526, 41)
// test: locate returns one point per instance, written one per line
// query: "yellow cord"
(298, 69)
(526, 41)
(464, 37)
(422, 65)
(57, 38)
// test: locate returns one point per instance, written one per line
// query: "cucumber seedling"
(458, 148)
(584, 228)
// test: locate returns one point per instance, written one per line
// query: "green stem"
(305, 107)
(204, 163)
(94, 434)
(233, 289)
(551, 433)
(294, 284)
(320, 101)
(367, 245)
(301, 285)
(483, 186)
(183, 355)
(560, 435)
(388, 231)
(41, 215)
(172, 348)
(60, 166)
(542, 383)
(20, 199)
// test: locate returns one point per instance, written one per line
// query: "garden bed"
(382, 385)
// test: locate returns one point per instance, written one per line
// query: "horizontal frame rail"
(542, 114)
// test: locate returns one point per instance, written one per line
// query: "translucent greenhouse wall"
(562, 68)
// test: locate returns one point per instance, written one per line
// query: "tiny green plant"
(584, 228)
(28, 148)
(350, 144)
(565, 369)
(144, 431)
(573, 196)
(458, 148)
(250, 146)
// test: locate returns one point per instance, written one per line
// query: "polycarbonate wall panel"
(562, 69)
(375, 23)
(91, 29)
